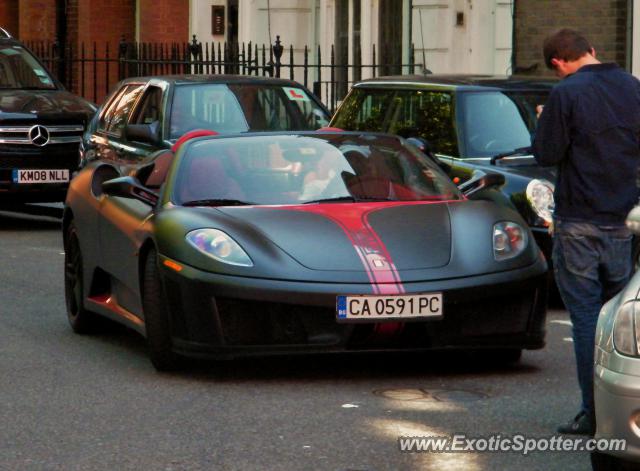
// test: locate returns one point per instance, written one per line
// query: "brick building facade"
(606, 23)
(163, 21)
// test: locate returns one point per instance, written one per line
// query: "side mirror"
(147, 133)
(633, 220)
(481, 181)
(129, 187)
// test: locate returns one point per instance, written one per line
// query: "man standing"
(589, 128)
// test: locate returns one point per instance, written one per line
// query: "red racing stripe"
(352, 218)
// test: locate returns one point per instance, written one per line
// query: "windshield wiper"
(511, 153)
(217, 202)
(337, 199)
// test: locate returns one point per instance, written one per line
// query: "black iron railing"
(92, 70)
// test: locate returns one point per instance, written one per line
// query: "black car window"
(494, 122)
(312, 116)
(19, 69)
(118, 119)
(279, 108)
(272, 112)
(408, 113)
(150, 107)
(205, 106)
(109, 107)
(240, 107)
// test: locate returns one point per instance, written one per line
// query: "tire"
(81, 320)
(156, 318)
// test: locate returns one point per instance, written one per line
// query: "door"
(121, 219)
(111, 124)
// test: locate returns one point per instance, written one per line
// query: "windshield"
(428, 114)
(20, 70)
(303, 169)
(234, 108)
(496, 122)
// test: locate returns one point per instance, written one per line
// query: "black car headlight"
(626, 329)
(220, 246)
(540, 197)
(509, 240)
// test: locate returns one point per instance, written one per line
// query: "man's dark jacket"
(590, 129)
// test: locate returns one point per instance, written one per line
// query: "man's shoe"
(580, 425)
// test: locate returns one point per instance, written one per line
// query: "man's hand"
(539, 109)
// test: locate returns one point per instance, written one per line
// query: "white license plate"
(371, 308)
(40, 176)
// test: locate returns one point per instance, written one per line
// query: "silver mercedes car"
(617, 372)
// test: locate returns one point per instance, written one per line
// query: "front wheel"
(81, 320)
(156, 318)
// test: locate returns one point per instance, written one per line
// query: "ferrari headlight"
(540, 197)
(509, 240)
(219, 246)
(625, 329)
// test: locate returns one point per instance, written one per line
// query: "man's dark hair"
(566, 44)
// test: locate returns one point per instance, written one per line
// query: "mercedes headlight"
(626, 329)
(509, 240)
(540, 197)
(219, 246)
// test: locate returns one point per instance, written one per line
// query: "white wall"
(292, 20)
(200, 20)
(481, 45)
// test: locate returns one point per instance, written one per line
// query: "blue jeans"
(591, 264)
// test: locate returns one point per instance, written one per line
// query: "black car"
(474, 124)
(41, 126)
(311, 241)
(143, 115)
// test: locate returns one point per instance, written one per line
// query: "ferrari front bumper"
(225, 316)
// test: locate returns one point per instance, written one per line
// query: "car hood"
(38, 104)
(358, 237)
(359, 243)
(527, 168)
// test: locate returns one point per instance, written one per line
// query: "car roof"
(461, 81)
(222, 78)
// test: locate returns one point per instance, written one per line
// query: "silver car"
(617, 372)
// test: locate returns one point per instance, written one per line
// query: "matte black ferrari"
(312, 241)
